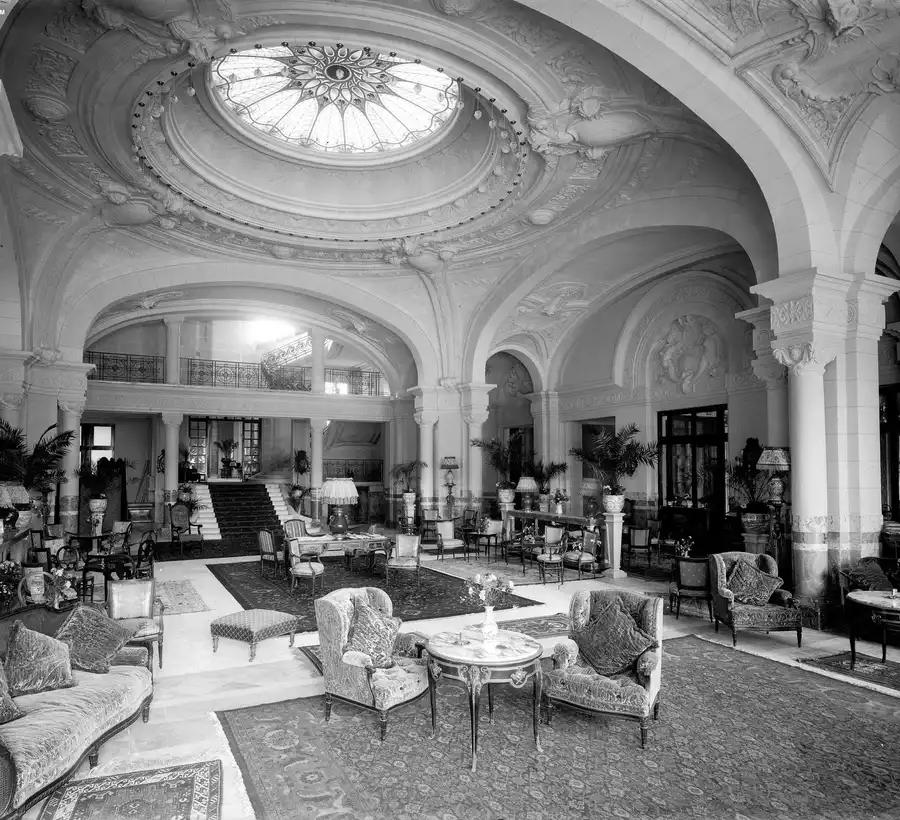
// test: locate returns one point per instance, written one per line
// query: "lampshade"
(774, 459)
(527, 484)
(449, 463)
(339, 491)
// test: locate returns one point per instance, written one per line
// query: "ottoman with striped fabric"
(253, 626)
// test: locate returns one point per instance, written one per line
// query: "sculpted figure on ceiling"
(199, 26)
(423, 258)
(589, 124)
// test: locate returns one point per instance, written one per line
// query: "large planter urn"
(506, 496)
(613, 503)
(755, 522)
(97, 506)
(409, 499)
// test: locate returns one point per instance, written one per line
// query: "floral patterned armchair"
(779, 614)
(631, 694)
(350, 676)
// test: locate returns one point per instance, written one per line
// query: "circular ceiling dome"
(338, 99)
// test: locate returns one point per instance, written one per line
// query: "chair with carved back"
(268, 554)
(586, 555)
(144, 564)
(405, 556)
(447, 540)
(551, 559)
(294, 528)
(183, 531)
(429, 525)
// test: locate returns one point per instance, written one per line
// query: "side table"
(510, 658)
(885, 612)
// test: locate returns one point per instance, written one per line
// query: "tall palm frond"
(13, 453)
(43, 466)
(615, 456)
(545, 473)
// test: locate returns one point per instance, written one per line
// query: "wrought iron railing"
(359, 469)
(126, 367)
(352, 382)
(243, 375)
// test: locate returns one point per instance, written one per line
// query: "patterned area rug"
(180, 597)
(546, 627)
(190, 792)
(866, 668)
(459, 568)
(738, 736)
(437, 596)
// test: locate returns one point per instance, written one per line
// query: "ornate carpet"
(223, 548)
(437, 596)
(738, 737)
(180, 597)
(541, 627)
(189, 792)
(866, 668)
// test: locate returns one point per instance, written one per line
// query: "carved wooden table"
(885, 612)
(467, 657)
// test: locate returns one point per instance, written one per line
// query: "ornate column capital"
(75, 406)
(172, 419)
(425, 418)
(173, 321)
(475, 402)
(769, 369)
(317, 424)
(801, 357)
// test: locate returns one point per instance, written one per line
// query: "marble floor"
(195, 682)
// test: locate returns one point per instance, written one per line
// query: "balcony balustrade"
(130, 367)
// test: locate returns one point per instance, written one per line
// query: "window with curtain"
(97, 441)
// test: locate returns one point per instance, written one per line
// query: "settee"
(42, 750)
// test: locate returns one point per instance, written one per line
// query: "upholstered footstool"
(253, 626)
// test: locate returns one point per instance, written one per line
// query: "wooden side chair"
(268, 554)
(447, 540)
(183, 530)
(134, 604)
(429, 524)
(294, 528)
(305, 563)
(691, 580)
(405, 555)
(586, 558)
(145, 563)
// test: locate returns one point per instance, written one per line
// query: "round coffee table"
(465, 656)
(885, 611)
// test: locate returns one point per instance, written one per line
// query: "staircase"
(206, 515)
(282, 510)
(242, 510)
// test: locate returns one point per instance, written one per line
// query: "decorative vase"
(489, 626)
(755, 522)
(558, 508)
(544, 502)
(506, 496)
(97, 507)
(338, 521)
(34, 580)
(613, 503)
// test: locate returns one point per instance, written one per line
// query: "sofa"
(42, 750)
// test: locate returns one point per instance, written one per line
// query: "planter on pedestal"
(97, 507)
(613, 503)
(755, 522)
(506, 496)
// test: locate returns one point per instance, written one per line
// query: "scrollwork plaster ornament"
(690, 348)
(886, 74)
(46, 107)
(796, 357)
(458, 8)
(427, 259)
(45, 356)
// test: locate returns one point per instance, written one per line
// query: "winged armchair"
(631, 693)
(778, 614)
(351, 677)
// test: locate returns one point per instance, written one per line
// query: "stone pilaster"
(173, 348)
(317, 463)
(770, 371)
(70, 412)
(475, 414)
(426, 421)
(172, 424)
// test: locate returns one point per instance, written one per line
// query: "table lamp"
(529, 488)
(449, 465)
(339, 492)
(775, 460)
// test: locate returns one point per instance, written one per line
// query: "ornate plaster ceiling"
(116, 102)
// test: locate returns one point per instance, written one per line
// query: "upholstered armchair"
(405, 555)
(778, 614)
(447, 540)
(632, 693)
(351, 677)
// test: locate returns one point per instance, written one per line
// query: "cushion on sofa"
(611, 641)
(752, 586)
(8, 708)
(61, 725)
(373, 634)
(868, 574)
(36, 662)
(93, 638)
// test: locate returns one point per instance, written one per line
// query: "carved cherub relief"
(689, 349)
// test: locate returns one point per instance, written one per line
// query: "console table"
(533, 517)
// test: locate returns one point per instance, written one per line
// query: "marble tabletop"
(879, 600)
(469, 646)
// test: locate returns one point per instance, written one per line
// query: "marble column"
(70, 413)
(426, 422)
(317, 340)
(475, 414)
(772, 373)
(172, 423)
(809, 466)
(317, 463)
(173, 348)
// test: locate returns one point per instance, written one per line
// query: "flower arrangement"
(489, 590)
(683, 546)
(559, 496)
(10, 575)
(62, 581)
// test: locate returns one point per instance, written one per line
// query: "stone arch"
(396, 382)
(81, 308)
(793, 186)
(717, 213)
(528, 359)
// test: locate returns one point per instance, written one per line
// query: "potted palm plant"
(500, 456)
(403, 474)
(227, 447)
(296, 493)
(614, 457)
(543, 475)
(28, 476)
(751, 490)
(301, 466)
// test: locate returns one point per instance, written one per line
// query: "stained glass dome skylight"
(335, 98)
